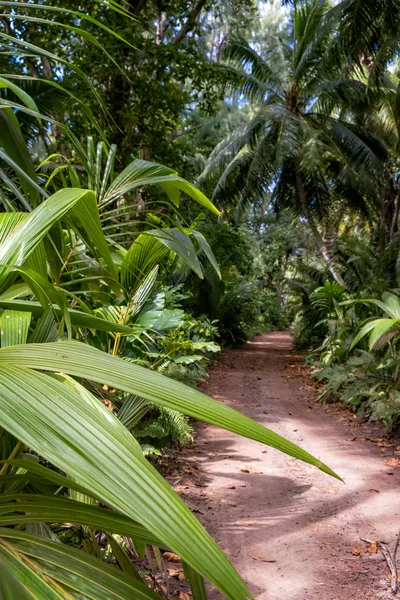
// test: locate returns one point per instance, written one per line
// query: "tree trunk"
(190, 23)
(314, 229)
(395, 217)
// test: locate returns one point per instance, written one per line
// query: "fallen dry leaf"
(257, 557)
(184, 596)
(374, 491)
(185, 482)
(171, 557)
(174, 572)
(373, 548)
(252, 470)
(356, 551)
(392, 462)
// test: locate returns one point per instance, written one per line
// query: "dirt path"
(289, 529)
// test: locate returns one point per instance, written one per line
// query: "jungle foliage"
(101, 249)
(317, 146)
(120, 278)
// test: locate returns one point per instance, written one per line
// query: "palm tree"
(302, 142)
(369, 31)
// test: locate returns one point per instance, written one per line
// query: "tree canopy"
(177, 176)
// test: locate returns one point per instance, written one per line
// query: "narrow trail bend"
(291, 531)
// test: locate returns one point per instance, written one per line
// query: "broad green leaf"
(14, 327)
(206, 248)
(9, 222)
(168, 319)
(84, 361)
(392, 304)
(86, 220)
(383, 305)
(196, 194)
(25, 232)
(59, 425)
(143, 292)
(122, 558)
(38, 471)
(179, 242)
(137, 174)
(78, 319)
(46, 329)
(15, 147)
(55, 571)
(10, 587)
(140, 173)
(381, 327)
(22, 95)
(46, 293)
(363, 332)
(132, 411)
(141, 258)
(21, 571)
(52, 509)
(107, 170)
(196, 581)
(20, 244)
(15, 291)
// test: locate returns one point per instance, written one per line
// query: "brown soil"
(291, 531)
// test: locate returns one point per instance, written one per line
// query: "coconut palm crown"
(302, 144)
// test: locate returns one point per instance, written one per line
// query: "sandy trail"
(262, 506)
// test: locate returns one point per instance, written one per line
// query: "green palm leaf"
(22, 241)
(26, 508)
(83, 361)
(63, 426)
(141, 173)
(180, 243)
(50, 571)
(78, 319)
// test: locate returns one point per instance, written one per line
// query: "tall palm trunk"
(301, 193)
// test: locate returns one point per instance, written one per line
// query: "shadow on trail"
(262, 504)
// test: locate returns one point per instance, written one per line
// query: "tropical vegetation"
(176, 177)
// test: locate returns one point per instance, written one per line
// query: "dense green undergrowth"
(122, 278)
(356, 351)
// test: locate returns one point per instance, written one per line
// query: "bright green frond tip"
(80, 360)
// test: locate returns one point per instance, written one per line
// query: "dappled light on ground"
(292, 531)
